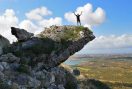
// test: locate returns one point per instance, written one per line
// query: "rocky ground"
(33, 62)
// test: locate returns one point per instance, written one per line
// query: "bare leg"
(80, 23)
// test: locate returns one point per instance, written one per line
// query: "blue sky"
(118, 14)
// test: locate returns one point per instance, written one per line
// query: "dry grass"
(117, 74)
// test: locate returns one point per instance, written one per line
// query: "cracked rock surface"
(33, 62)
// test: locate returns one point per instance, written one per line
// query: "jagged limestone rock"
(3, 43)
(21, 34)
(9, 58)
(32, 62)
(58, 43)
(64, 77)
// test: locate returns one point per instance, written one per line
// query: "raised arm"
(74, 13)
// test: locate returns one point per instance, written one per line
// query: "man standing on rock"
(78, 18)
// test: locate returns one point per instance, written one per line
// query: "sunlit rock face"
(33, 62)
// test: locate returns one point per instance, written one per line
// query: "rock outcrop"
(3, 43)
(33, 62)
(21, 34)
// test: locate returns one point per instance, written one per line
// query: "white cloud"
(110, 42)
(7, 20)
(34, 23)
(88, 17)
(29, 26)
(38, 13)
(51, 21)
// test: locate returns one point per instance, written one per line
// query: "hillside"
(114, 72)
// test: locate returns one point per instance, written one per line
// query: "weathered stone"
(9, 82)
(46, 78)
(1, 68)
(64, 77)
(61, 87)
(22, 79)
(14, 86)
(1, 76)
(33, 82)
(1, 50)
(76, 72)
(5, 65)
(14, 66)
(21, 34)
(73, 42)
(3, 43)
(32, 63)
(52, 86)
(57, 50)
(10, 58)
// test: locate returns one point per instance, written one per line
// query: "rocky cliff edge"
(33, 62)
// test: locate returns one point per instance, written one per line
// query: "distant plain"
(113, 70)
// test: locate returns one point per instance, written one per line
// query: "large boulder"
(21, 34)
(57, 43)
(3, 43)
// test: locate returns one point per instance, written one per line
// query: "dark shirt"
(78, 17)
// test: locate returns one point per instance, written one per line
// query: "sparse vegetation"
(71, 34)
(116, 74)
